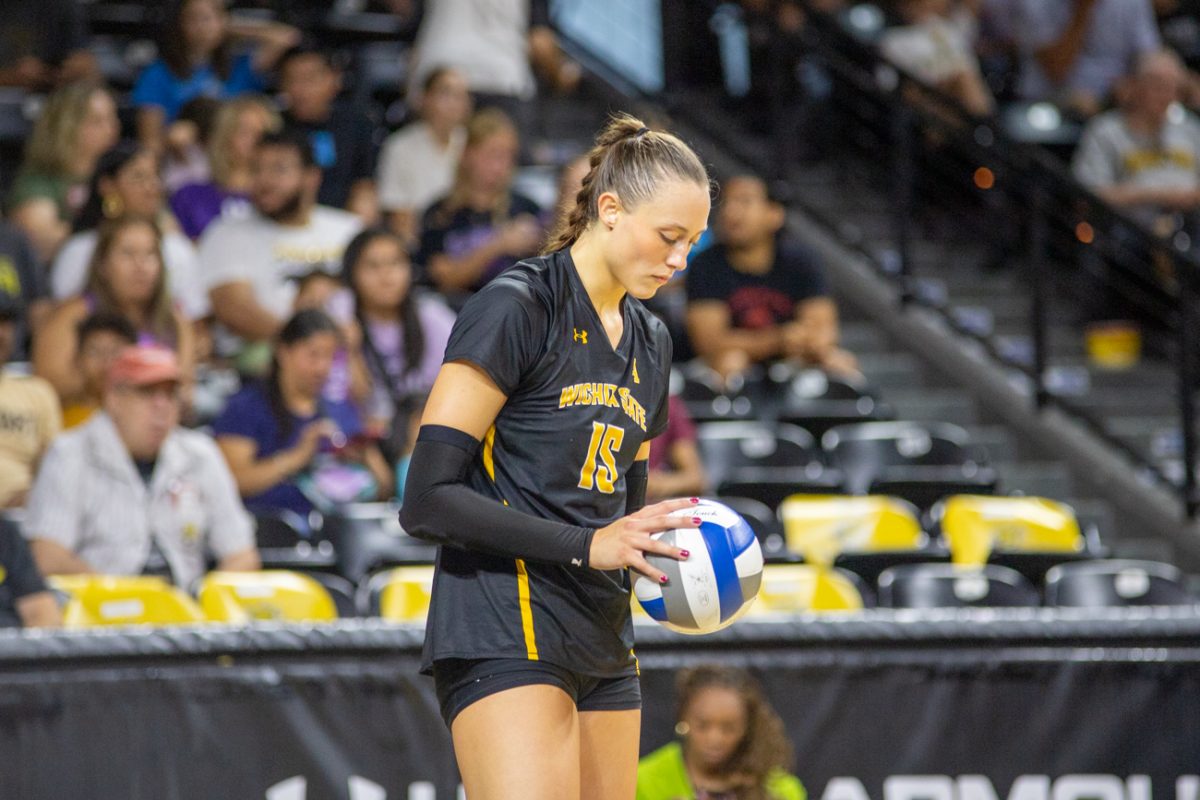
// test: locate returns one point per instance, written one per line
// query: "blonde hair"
(482, 126)
(224, 124)
(631, 161)
(51, 143)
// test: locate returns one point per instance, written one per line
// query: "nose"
(677, 258)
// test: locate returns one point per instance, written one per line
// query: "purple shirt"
(388, 338)
(198, 204)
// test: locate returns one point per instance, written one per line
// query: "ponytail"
(631, 161)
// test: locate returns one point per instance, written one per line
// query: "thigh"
(608, 753)
(519, 744)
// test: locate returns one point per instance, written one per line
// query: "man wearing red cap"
(131, 492)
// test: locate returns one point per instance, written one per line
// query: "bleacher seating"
(954, 586)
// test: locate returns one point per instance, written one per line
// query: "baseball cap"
(143, 365)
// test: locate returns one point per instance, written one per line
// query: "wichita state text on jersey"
(578, 410)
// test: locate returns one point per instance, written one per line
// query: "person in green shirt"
(732, 744)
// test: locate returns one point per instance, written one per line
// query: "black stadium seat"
(763, 522)
(287, 541)
(368, 536)
(921, 462)
(952, 586)
(814, 399)
(1116, 583)
(763, 461)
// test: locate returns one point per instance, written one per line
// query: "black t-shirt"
(49, 30)
(344, 147)
(19, 273)
(577, 412)
(757, 301)
(19, 576)
(462, 231)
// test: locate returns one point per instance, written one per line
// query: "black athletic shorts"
(460, 682)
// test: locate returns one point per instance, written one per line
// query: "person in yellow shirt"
(29, 413)
(102, 337)
(732, 745)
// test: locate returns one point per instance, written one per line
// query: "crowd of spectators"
(239, 213)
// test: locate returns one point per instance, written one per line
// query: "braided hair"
(631, 161)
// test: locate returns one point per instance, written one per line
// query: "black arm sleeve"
(440, 507)
(635, 485)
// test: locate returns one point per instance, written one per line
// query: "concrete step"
(1037, 478)
(933, 405)
(890, 371)
(862, 337)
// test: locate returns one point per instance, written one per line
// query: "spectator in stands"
(102, 337)
(25, 602)
(185, 160)
(126, 277)
(344, 139)
(196, 59)
(570, 181)
(126, 183)
(44, 45)
(482, 226)
(236, 129)
(21, 276)
(755, 296)
(1141, 158)
(935, 43)
(418, 162)
(675, 466)
(29, 413)
(250, 263)
(1073, 53)
(287, 447)
(403, 333)
(131, 492)
(77, 126)
(732, 743)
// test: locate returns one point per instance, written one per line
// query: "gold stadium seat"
(822, 527)
(975, 526)
(400, 594)
(264, 595)
(97, 600)
(797, 588)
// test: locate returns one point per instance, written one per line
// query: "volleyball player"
(530, 471)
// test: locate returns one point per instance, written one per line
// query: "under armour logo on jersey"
(636, 379)
(577, 562)
(580, 336)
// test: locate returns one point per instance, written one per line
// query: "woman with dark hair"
(273, 434)
(126, 182)
(196, 60)
(125, 276)
(732, 744)
(403, 333)
(482, 226)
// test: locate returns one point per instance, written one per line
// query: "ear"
(778, 217)
(312, 179)
(608, 208)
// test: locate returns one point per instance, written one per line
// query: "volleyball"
(718, 581)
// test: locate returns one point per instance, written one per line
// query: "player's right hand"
(626, 542)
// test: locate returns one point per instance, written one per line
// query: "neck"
(602, 287)
(756, 258)
(383, 314)
(135, 313)
(706, 779)
(238, 179)
(1141, 122)
(297, 401)
(481, 199)
(441, 133)
(300, 219)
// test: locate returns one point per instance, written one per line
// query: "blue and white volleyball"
(718, 581)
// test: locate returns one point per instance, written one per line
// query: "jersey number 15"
(600, 465)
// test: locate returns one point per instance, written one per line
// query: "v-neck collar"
(579, 289)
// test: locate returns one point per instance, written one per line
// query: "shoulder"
(708, 261)
(226, 229)
(794, 255)
(248, 404)
(34, 386)
(431, 309)
(663, 765)
(71, 444)
(520, 204)
(529, 284)
(196, 445)
(335, 218)
(70, 311)
(784, 786)
(1105, 124)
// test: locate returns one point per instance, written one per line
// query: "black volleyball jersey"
(578, 409)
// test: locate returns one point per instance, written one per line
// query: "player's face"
(305, 365)
(382, 275)
(650, 244)
(133, 264)
(716, 723)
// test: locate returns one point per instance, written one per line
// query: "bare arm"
(235, 306)
(54, 559)
(39, 610)
(241, 561)
(152, 128)
(54, 349)
(713, 335)
(518, 238)
(1058, 57)
(254, 475)
(1125, 195)
(273, 39)
(363, 201)
(38, 218)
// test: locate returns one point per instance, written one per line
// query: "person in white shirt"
(131, 492)
(250, 264)
(418, 162)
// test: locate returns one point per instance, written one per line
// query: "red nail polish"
(695, 499)
(684, 553)
(662, 579)
(696, 520)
